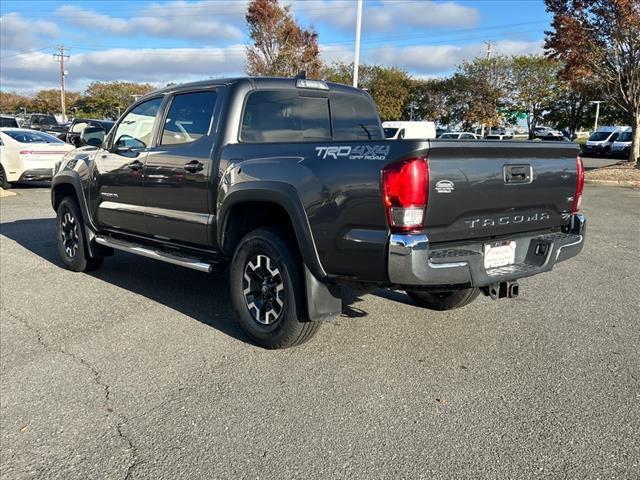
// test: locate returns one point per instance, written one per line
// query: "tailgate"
(483, 189)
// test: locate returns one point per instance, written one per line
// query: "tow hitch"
(502, 290)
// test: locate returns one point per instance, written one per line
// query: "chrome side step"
(136, 249)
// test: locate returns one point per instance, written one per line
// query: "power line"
(26, 52)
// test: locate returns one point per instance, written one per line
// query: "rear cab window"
(354, 117)
(285, 116)
(296, 115)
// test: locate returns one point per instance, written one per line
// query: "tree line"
(99, 100)
(592, 53)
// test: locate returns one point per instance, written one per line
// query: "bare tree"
(280, 46)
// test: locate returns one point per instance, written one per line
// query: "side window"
(189, 117)
(136, 128)
(284, 116)
(354, 118)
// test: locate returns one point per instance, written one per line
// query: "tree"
(571, 109)
(427, 100)
(534, 87)
(482, 88)
(280, 47)
(600, 39)
(11, 102)
(109, 99)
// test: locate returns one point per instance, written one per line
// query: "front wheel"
(447, 300)
(71, 238)
(267, 290)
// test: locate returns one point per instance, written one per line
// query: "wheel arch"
(273, 203)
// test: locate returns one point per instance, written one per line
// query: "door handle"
(135, 165)
(193, 166)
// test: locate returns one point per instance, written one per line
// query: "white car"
(28, 155)
(459, 136)
(547, 132)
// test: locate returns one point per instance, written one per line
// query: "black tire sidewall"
(288, 327)
(77, 263)
(3, 178)
(453, 299)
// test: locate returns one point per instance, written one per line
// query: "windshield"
(625, 137)
(24, 136)
(44, 120)
(449, 135)
(8, 122)
(390, 132)
(599, 136)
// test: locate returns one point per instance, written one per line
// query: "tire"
(444, 300)
(267, 290)
(3, 179)
(71, 239)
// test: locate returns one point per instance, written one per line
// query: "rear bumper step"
(413, 261)
(183, 261)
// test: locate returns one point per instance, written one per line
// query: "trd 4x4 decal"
(358, 152)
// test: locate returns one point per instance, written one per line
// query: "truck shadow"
(203, 297)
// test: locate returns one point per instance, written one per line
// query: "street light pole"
(597, 102)
(356, 58)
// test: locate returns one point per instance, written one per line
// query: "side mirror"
(92, 136)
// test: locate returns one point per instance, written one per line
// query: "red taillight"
(25, 152)
(577, 198)
(405, 191)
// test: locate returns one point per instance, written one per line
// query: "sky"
(177, 41)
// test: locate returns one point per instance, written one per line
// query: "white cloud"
(17, 33)
(430, 59)
(156, 66)
(388, 15)
(201, 20)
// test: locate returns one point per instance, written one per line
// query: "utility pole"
(60, 57)
(488, 44)
(356, 58)
(597, 102)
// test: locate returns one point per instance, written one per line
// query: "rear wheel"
(267, 290)
(71, 239)
(3, 179)
(444, 300)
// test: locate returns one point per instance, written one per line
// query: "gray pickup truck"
(291, 183)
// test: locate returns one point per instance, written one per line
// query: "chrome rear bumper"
(413, 261)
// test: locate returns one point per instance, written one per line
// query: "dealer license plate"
(499, 254)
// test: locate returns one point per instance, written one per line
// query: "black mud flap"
(322, 302)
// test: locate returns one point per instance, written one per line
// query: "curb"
(613, 183)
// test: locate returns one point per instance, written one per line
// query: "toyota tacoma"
(291, 183)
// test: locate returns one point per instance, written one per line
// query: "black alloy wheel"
(263, 289)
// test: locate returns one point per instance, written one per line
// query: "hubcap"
(69, 234)
(263, 289)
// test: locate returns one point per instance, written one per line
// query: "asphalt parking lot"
(138, 371)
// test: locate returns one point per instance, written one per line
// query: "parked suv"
(291, 183)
